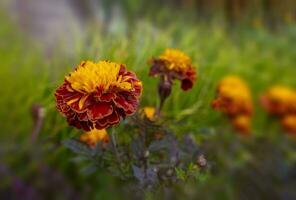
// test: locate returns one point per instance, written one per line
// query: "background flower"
(91, 138)
(174, 64)
(234, 99)
(280, 101)
(149, 113)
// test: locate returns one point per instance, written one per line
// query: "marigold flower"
(174, 64)
(98, 95)
(234, 99)
(289, 123)
(94, 136)
(279, 100)
(149, 113)
(242, 124)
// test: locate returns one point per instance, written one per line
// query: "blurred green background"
(42, 41)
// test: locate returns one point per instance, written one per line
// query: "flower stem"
(114, 145)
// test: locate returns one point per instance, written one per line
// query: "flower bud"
(164, 89)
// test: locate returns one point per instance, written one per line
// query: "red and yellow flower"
(98, 95)
(92, 137)
(174, 64)
(233, 98)
(280, 101)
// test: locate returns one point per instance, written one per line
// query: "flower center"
(176, 60)
(89, 77)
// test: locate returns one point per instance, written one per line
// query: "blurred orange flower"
(94, 136)
(234, 99)
(98, 95)
(242, 123)
(289, 124)
(280, 101)
(149, 113)
(174, 64)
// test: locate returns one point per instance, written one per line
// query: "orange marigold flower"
(289, 123)
(98, 95)
(94, 136)
(174, 64)
(242, 124)
(234, 99)
(279, 100)
(149, 113)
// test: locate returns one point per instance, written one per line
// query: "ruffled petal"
(99, 111)
(186, 84)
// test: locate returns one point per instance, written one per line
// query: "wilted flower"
(234, 99)
(98, 95)
(279, 100)
(94, 136)
(174, 64)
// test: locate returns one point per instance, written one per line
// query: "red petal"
(75, 106)
(186, 84)
(122, 70)
(61, 90)
(102, 122)
(107, 97)
(82, 116)
(128, 103)
(153, 70)
(86, 126)
(100, 110)
(114, 118)
(98, 126)
(121, 102)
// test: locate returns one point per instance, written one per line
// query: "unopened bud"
(164, 89)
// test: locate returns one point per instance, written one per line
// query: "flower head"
(91, 138)
(234, 99)
(98, 95)
(279, 100)
(149, 113)
(289, 124)
(174, 64)
(242, 124)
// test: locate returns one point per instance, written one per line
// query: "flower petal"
(100, 110)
